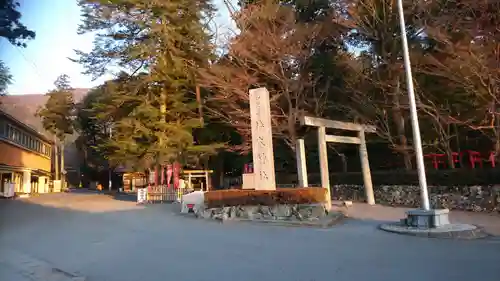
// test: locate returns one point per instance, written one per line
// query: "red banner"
(162, 174)
(156, 176)
(177, 173)
(169, 174)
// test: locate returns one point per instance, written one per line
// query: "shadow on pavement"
(111, 239)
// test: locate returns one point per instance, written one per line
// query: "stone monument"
(262, 140)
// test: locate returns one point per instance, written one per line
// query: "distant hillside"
(24, 107)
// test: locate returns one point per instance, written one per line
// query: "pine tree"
(5, 78)
(57, 116)
(153, 107)
(57, 113)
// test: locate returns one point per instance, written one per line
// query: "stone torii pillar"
(323, 139)
(262, 140)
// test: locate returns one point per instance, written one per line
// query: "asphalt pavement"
(109, 238)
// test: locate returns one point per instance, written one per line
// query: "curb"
(462, 232)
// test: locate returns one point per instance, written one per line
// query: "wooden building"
(25, 156)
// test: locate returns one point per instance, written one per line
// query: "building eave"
(26, 127)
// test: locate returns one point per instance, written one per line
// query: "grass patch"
(234, 197)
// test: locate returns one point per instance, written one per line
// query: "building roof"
(23, 109)
(23, 125)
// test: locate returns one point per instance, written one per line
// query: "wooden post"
(56, 159)
(200, 106)
(63, 171)
(323, 164)
(365, 168)
(207, 179)
(300, 151)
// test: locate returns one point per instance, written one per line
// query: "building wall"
(24, 108)
(15, 156)
(20, 147)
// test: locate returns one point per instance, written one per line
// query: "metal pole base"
(426, 218)
(433, 224)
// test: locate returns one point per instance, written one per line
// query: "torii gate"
(323, 138)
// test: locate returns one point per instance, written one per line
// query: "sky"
(55, 23)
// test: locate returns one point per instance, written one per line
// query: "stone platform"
(433, 223)
(426, 218)
(454, 231)
(310, 215)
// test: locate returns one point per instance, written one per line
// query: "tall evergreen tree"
(160, 44)
(5, 78)
(57, 113)
(57, 117)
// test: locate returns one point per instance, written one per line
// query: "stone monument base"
(426, 218)
(433, 223)
(312, 215)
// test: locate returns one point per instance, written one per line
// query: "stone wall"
(296, 212)
(466, 198)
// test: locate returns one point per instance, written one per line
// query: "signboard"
(262, 140)
(151, 176)
(142, 195)
(9, 190)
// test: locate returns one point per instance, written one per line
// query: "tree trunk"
(448, 145)
(292, 121)
(163, 111)
(63, 174)
(400, 128)
(496, 131)
(449, 155)
(56, 160)
(218, 178)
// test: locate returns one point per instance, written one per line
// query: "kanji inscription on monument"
(262, 140)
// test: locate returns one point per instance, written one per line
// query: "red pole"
(162, 171)
(156, 176)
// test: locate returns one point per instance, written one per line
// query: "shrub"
(225, 198)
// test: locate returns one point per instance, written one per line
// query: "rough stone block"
(306, 212)
(205, 214)
(265, 211)
(427, 218)
(233, 212)
(282, 211)
(249, 211)
(256, 216)
(218, 216)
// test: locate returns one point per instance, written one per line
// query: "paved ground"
(110, 239)
(489, 222)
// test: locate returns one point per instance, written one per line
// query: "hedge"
(234, 197)
(452, 177)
